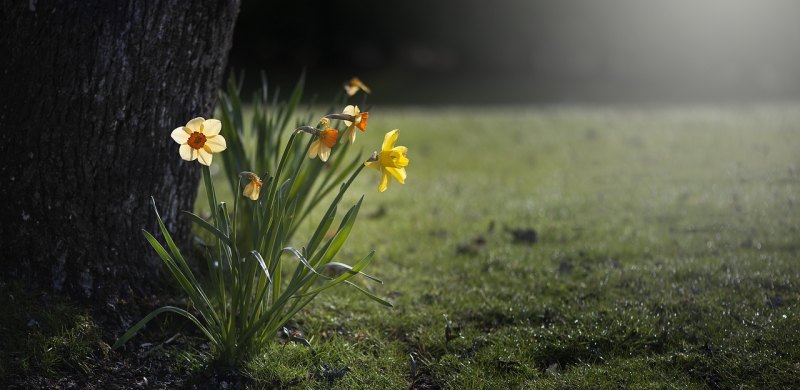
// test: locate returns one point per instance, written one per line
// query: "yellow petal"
(389, 139)
(181, 135)
(215, 144)
(398, 174)
(373, 165)
(361, 85)
(211, 127)
(399, 156)
(313, 150)
(187, 152)
(251, 191)
(204, 157)
(384, 182)
(194, 124)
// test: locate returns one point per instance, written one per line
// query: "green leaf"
(302, 259)
(261, 263)
(369, 294)
(341, 278)
(336, 243)
(210, 228)
(136, 328)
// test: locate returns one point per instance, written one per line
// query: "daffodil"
(390, 161)
(321, 147)
(353, 85)
(252, 189)
(359, 119)
(199, 139)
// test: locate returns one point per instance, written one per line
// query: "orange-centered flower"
(199, 139)
(252, 189)
(390, 161)
(359, 120)
(321, 147)
(353, 85)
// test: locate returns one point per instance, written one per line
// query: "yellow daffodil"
(321, 147)
(358, 119)
(252, 189)
(199, 139)
(390, 161)
(353, 85)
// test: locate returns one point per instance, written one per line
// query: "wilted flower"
(353, 85)
(199, 139)
(252, 189)
(390, 161)
(326, 139)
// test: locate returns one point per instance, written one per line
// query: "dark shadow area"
(513, 51)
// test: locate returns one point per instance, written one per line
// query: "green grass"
(666, 256)
(46, 336)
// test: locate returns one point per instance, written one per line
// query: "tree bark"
(91, 92)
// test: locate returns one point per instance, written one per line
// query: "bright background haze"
(528, 51)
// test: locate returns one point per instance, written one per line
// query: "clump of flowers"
(249, 297)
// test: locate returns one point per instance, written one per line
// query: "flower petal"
(324, 152)
(350, 89)
(352, 135)
(215, 144)
(373, 165)
(181, 135)
(350, 110)
(398, 174)
(384, 182)
(251, 191)
(211, 127)
(313, 150)
(389, 139)
(187, 153)
(205, 157)
(194, 124)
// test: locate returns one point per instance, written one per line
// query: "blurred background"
(528, 51)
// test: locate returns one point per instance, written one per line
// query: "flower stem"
(211, 195)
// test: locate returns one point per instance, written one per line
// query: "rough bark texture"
(91, 92)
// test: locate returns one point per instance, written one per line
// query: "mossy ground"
(666, 254)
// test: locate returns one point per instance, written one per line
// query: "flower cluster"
(248, 297)
(200, 138)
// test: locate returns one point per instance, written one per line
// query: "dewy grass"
(666, 255)
(251, 293)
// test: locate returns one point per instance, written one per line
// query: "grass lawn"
(567, 247)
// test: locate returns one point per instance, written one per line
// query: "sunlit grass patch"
(664, 253)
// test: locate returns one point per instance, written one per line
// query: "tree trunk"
(91, 92)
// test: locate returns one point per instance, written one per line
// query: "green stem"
(212, 196)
